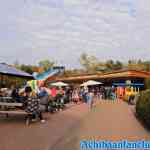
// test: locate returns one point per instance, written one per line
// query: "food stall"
(124, 90)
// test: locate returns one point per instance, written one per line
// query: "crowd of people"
(101, 93)
(55, 98)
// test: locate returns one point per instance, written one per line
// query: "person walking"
(75, 96)
(90, 99)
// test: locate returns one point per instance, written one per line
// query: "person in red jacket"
(53, 92)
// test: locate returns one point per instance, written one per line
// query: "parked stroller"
(52, 105)
(60, 101)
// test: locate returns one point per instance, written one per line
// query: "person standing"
(53, 92)
(86, 94)
(32, 104)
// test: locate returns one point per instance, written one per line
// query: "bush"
(143, 107)
(147, 83)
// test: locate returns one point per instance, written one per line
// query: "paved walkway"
(15, 135)
(63, 131)
(107, 121)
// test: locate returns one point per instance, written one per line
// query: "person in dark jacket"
(32, 104)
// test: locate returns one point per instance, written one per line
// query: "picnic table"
(6, 109)
(6, 99)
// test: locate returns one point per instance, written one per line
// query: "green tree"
(139, 65)
(84, 61)
(46, 64)
(147, 83)
(118, 65)
(139, 61)
(90, 63)
(147, 65)
(27, 68)
(110, 65)
(132, 65)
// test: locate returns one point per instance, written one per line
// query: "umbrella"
(12, 71)
(59, 84)
(91, 82)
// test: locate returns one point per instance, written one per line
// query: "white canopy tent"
(91, 83)
(59, 84)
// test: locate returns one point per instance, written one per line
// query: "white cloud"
(62, 30)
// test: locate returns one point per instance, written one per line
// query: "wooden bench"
(6, 99)
(11, 104)
(16, 111)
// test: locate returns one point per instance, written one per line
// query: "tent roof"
(6, 69)
(91, 82)
(59, 84)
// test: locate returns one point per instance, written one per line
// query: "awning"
(124, 84)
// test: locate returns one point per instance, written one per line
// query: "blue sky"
(61, 30)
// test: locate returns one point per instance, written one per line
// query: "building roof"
(114, 74)
(6, 69)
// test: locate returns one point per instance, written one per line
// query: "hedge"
(143, 107)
